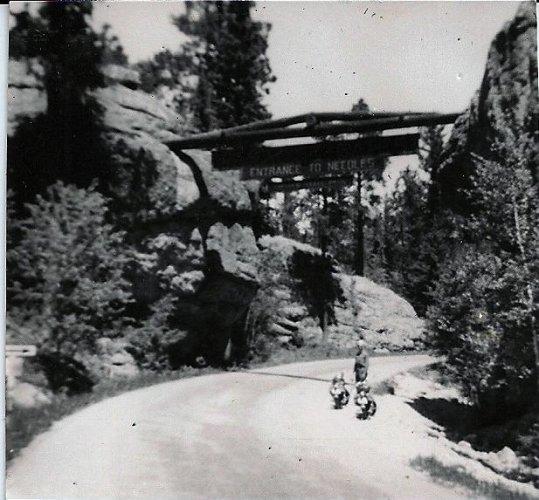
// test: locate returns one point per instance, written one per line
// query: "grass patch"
(283, 355)
(464, 422)
(457, 476)
(23, 424)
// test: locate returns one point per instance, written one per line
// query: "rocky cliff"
(506, 100)
(196, 248)
(183, 248)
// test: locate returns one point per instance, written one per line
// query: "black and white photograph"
(272, 250)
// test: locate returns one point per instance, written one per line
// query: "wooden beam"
(310, 119)
(225, 137)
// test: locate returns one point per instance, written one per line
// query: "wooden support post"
(359, 257)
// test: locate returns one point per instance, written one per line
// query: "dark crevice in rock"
(140, 110)
(22, 86)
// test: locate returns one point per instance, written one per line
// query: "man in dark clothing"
(361, 363)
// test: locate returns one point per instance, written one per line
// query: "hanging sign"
(319, 183)
(308, 160)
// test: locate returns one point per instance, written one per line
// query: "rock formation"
(506, 100)
(186, 247)
(196, 246)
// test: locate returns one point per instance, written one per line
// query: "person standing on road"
(361, 362)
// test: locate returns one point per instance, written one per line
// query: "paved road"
(268, 433)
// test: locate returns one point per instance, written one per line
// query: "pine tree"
(371, 169)
(65, 142)
(65, 271)
(228, 50)
(113, 51)
(483, 313)
(418, 229)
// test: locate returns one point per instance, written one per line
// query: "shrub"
(480, 320)
(65, 271)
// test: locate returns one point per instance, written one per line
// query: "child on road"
(338, 391)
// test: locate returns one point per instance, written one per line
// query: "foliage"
(313, 273)
(65, 272)
(272, 276)
(149, 343)
(458, 476)
(480, 320)
(228, 51)
(113, 51)
(135, 174)
(171, 76)
(64, 373)
(416, 230)
(65, 142)
(482, 315)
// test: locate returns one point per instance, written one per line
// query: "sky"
(398, 56)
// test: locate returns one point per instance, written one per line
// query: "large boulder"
(232, 251)
(212, 279)
(25, 395)
(138, 120)
(386, 320)
(230, 286)
(115, 73)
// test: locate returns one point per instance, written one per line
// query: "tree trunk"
(529, 290)
(322, 224)
(324, 326)
(359, 257)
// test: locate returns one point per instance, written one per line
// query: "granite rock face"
(132, 121)
(386, 321)
(196, 245)
(506, 101)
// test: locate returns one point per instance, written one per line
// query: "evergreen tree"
(371, 170)
(65, 271)
(113, 51)
(65, 142)
(416, 230)
(170, 76)
(228, 51)
(483, 314)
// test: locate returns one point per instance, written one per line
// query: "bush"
(65, 271)
(483, 310)
(272, 276)
(65, 374)
(480, 320)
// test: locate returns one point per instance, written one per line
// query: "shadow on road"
(457, 418)
(328, 381)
